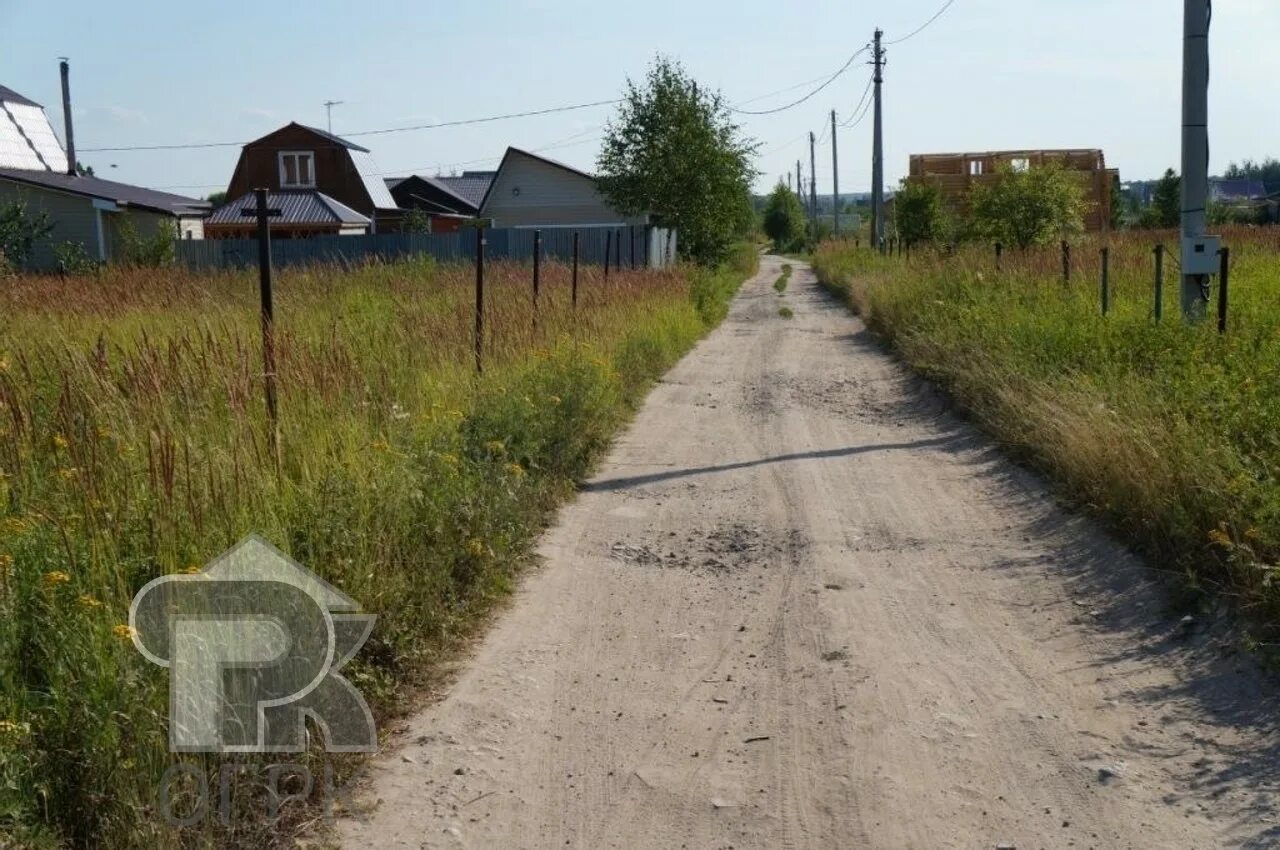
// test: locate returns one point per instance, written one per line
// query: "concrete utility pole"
(1199, 252)
(799, 185)
(877, 154)
(66, 117)
(835, 177)
(813, 185)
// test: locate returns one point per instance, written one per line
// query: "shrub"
(20, 229)
(1028, 207)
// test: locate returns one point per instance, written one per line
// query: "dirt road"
(802, 606)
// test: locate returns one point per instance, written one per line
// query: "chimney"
(66, 114)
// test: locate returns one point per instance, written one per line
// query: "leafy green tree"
(415, 221)
(784, 220)
(217, 198)
(673, 150)
(20, 229)
(1029, 207)
(1165, 209)
(1118, 204)
(917, 211)
(84, 170)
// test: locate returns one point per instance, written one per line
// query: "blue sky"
(989, 74)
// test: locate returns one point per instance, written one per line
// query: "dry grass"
(1170, 432)
(134, 443)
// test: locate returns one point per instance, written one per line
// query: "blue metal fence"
(652, 246)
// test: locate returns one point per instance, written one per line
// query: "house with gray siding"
(84, 210)
(532, 191)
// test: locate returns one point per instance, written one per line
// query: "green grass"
(134, 444)
(1170, 432)
(781, 283)
(786, 312)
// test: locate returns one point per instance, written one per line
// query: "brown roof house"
(94, 214)
(320, 184)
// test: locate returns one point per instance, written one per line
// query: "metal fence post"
(268, 316)
(480, 299)
(631, 237)
(1106, 280)
(1159, 305)
(537, 272)
(1223, 274)
(608, 249)
(574, 288)
(999, 251)
(1066, 262)
(617, 251)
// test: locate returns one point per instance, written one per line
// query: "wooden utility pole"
(877, 153)
(813, 187)
(799, 184)
(835, 177)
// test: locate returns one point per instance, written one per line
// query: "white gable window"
(297, 170)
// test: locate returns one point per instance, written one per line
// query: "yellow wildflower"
(1251, 533)
(1219, 536)
(381, 445)
(516, 469)
(60, 441)
(4, 365)
(13, 729)
(124, 631)
(103, 433)
(555, 399)
(55, 578)
(84, 600)
(6, 561)
(68, 473)
(496, 446)
(476, 547)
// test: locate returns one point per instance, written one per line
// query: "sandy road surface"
(801, 606)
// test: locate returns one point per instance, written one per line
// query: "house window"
(975, 167)
(1020, 164)
(297, 170)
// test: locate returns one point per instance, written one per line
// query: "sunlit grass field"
(134, 443)
(1169, 431)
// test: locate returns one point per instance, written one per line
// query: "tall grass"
(1170, 431)
(134, 443)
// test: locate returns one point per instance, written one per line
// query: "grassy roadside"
(1168, 432)
(133, 444)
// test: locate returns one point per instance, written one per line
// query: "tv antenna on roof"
(328, 111)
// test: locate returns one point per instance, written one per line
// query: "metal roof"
(471, 186)
(26, 138)
(296, 207)
(8, 95)
(107, 190)
(374, 185)
(331, 137)
(457, 202)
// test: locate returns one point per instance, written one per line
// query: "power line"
(796, 103)
(437, 125)
(855, 116)
(915, 32)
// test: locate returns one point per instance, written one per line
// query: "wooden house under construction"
(956, 174)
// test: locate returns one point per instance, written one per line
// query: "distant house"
(85, 211)
(470, 184)
(1228, 191)
(312, 170)
(532, 191)
(445, 209)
